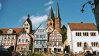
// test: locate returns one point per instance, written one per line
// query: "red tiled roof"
(15, 30)
(82, 26)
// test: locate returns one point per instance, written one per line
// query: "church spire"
(28, 16)
(51, 15)
(57, 10)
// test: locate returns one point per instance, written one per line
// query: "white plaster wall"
(83, 39)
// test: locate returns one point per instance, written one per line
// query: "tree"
(63, 32)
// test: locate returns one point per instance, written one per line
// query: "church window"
(24, 24)
(26, 27)
(27, 24)
(50, 23)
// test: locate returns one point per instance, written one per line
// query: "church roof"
(15, 30)
(57, 11)
(82, 26)
(51, 14)
(28, 19)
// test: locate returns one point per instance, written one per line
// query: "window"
(19, 40)
(50, 23)
(8, 37)
(37, 36)
(43, 42)
(94, 44)
(42, 36)
(26, 40)
(85, 34)
(27, 24)
(5, 38)
(22, 40)
(36, 42)
(93, 34)
(40, 30)
(40, 42)
(78, 33)
(26, 27)
(79, 44)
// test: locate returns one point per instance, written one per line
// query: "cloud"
(49, 3)
(48, 8)
(0, 5)
(36, 20)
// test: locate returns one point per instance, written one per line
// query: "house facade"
(55, 42)
(8, 37)
(82, 37)
(23, 43)
(40, 39)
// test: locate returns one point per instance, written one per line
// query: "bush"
(38, 54)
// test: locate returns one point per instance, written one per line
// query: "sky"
(14, 12)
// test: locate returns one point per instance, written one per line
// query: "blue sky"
(13, 12)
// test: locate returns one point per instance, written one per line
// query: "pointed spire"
(28, 16)
(51, 15)
(57, 10)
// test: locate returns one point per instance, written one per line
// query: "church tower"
(50, 23)
(27, 25)
(58, 19)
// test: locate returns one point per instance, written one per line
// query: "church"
(53, 22)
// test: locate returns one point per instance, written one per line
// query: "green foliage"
(38, 54)
(64, 33)
(30, 54)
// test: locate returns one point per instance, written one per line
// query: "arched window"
(79, 44)
(85, 44)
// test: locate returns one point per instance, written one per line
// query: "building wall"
(8, 40)
(55, 41)
(50, 25)
(58, 24)
(0, 40)
(23, 42)
(26, 26)
(73, 40)
(40, 38)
